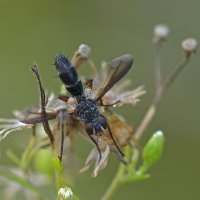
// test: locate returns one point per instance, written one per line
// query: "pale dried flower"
(120, 97)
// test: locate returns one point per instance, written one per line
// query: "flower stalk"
(189, 46)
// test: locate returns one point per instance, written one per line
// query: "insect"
(86, 101)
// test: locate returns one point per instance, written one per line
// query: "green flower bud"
(152, 151)
(65, 194)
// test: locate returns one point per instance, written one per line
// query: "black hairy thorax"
(87, 110)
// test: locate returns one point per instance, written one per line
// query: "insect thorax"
(87, 110)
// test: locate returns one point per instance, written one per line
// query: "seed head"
(161, 32)
(189, 45)
(84, 50)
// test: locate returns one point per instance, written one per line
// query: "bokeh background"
(38, 30)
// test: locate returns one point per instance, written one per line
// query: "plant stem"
(170, 79)
(114, 185)
(161, 89)
(158, 96)
(157, 66)
(145, 121)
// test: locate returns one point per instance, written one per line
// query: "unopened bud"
(65, 194)
(152, 151)
(189, 45)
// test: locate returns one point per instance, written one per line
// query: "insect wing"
(110, 74)
(33, 115)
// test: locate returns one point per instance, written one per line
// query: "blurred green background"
(38, 30)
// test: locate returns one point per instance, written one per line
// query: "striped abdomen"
(68, 75)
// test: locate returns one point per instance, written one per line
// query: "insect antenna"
(46, 126)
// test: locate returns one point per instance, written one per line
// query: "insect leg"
(121, 154)
(46, 126)
(94, 141)
(62, 120)
(62, 142)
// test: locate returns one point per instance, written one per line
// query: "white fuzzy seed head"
(84, 50)
(161, 31)
(189, 45)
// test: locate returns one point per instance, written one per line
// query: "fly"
(86, 108)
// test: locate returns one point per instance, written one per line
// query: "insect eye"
(89, 128)
(103, 122)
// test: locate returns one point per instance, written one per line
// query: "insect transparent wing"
(33, 115)
(110, 74)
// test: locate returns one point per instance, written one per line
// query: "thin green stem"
(157, 66)
(114, 185)
(26, 157)
(117, 181)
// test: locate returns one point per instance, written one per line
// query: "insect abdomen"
(68, 75)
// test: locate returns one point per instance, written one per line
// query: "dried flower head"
(117, 96)
(61, 112)
(122, 132)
